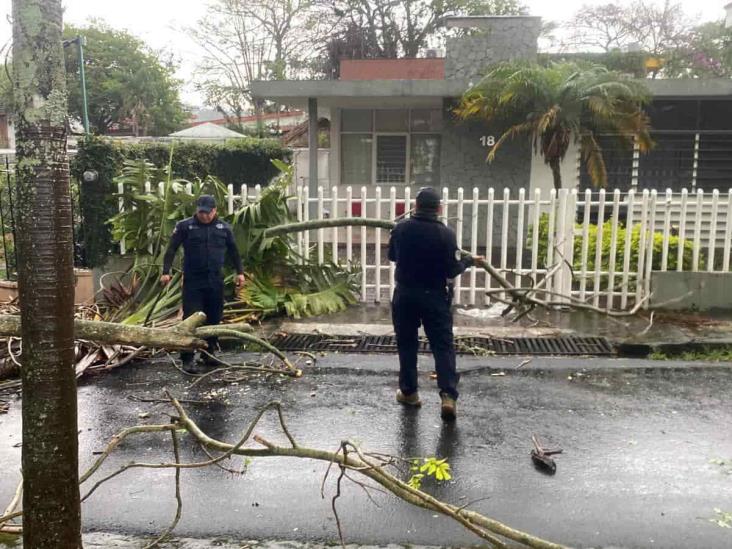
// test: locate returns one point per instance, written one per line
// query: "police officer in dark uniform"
(206, 240)
(427, 256)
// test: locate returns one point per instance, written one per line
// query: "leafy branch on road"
(379, 468)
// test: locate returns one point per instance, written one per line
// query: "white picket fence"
(505, 228)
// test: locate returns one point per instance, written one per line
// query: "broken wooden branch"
(187, 334)
(522, 298)
(182, 336)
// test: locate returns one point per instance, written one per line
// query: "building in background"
(391, 123)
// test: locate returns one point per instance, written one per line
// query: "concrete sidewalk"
(637, 333)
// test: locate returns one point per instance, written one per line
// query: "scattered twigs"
(234, 367)
(10, 512)
(348, 458)
(344, 449)
(223, 332)
(481, 525)
(179, 501)
(650, 325)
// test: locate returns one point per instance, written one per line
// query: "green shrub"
(242, 161)
(622, 233)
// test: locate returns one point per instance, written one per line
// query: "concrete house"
(391, 123)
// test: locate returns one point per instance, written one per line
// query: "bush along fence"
(8, 218)
(249, 159)
(598, 247)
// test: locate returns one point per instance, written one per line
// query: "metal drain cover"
(560, 345)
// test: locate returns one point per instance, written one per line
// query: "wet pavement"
(642, 443)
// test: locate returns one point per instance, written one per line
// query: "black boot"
(189, 364)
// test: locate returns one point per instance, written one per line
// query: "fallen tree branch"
(520, 296)
(385, 479)
(356, 460)
(182, 336)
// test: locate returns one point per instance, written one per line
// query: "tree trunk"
(52, 517)
(556, 165)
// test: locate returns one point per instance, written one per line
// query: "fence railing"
(597, 247)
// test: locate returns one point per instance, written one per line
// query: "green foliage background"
(242, 161)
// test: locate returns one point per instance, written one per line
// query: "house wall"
(465, 144)
(495, 40)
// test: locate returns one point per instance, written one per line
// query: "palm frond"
(595, 163)
(557, 104)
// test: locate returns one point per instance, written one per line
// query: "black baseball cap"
(205, 203)
(428, 199)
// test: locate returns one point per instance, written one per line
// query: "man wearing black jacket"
(427, 256)
(206, 241)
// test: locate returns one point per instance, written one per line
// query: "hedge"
(243, 161)
(622, 232)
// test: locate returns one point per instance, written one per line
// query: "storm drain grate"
(561, 345)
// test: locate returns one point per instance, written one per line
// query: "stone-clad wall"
(463, 156)
(498, 39)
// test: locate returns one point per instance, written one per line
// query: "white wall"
(301, 162)
(541, 173)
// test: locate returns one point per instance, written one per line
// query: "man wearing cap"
(206, 240)
(427, 256)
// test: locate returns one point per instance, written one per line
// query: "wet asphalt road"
(638, 441)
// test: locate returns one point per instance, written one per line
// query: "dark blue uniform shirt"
(204, 251)
(426, 253)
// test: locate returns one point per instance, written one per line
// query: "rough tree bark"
(52, 517)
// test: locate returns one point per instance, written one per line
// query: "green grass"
(711, 354)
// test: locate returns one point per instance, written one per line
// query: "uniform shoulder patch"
(458, 255)
(219, 225)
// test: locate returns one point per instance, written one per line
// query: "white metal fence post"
(489, 241)
(459, 238)
(474, 241)
(585, 244)
(377, 248)
(600, 235)
(334, 215)
(121, 206)
(364, 238)
(613, 251)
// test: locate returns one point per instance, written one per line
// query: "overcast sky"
(160, 23)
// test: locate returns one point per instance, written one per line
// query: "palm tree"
(51, 508)
(558, 104)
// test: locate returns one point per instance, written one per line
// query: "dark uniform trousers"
(208, 299)
(409, 307)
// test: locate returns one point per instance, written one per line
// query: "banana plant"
(278, 280)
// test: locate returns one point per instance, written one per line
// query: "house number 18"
(487, 140)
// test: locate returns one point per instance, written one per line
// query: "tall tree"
(51, 508)
(128, 84)
(247, 40)
(558, 104)
(404, 28)
(706, 54)
(657, 29)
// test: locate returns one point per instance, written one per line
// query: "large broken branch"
(182, 336)
(373, 466)
(522, 298)
(188, 334)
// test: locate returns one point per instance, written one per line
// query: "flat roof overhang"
(395, 93)
(354, 92)
(691, 88)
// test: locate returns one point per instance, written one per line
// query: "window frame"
(375, 135)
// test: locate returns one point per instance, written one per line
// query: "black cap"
(205, 203)
(428, 199)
